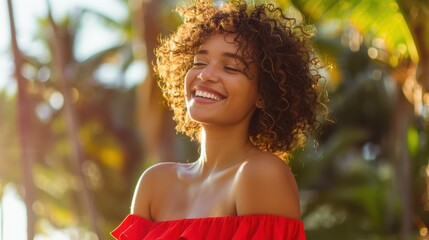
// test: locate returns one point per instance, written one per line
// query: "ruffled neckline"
(245, 227)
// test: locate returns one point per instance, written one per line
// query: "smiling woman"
(241, 81)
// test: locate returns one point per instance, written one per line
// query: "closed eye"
(232, 69)
(198, 64)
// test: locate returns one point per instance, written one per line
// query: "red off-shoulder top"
(249, 227)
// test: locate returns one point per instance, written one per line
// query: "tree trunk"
(416, 14)
(156, 124)
(402, 120)
(60, 60)
(24, 129)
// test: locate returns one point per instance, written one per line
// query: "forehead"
(229, 43)
(225, 42)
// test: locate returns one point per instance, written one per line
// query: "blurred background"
(81, 116)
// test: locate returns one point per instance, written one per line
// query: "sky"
(12, 209)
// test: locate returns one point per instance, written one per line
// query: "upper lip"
(209, 90)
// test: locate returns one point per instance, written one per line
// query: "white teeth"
(199, 93)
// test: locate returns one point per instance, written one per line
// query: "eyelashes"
(200, 65)
(231, 69)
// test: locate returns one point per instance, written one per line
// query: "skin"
(231, 177)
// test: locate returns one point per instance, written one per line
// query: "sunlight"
(90, 40)
(13, 212)
(13, 216)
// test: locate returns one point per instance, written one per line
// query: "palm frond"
(381, 19)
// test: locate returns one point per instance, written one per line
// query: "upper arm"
(267, 186)
(140, 204)
(146, 188)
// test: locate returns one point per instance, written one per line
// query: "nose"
(209, 73)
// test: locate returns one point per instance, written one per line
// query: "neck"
(222, 148)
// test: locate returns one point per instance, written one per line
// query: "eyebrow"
(225, 54)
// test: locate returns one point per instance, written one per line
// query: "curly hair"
(287, 69)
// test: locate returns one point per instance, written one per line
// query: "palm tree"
(24, 127)
(61, 45)
(62, 63)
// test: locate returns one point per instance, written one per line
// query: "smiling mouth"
(207, 95)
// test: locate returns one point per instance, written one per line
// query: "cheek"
(253, 90)
(188, 82)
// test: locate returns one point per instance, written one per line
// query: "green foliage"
(380, 20)
(360, 179)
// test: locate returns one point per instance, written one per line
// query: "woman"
(242, 81)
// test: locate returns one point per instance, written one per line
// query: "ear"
(260, 102)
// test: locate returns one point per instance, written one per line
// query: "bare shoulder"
(159, 170)
(267, 186)
(153, 174)
(149, 182)
(268, 161)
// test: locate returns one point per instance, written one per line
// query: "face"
(217, 88)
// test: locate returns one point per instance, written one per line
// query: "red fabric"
(253, 227)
